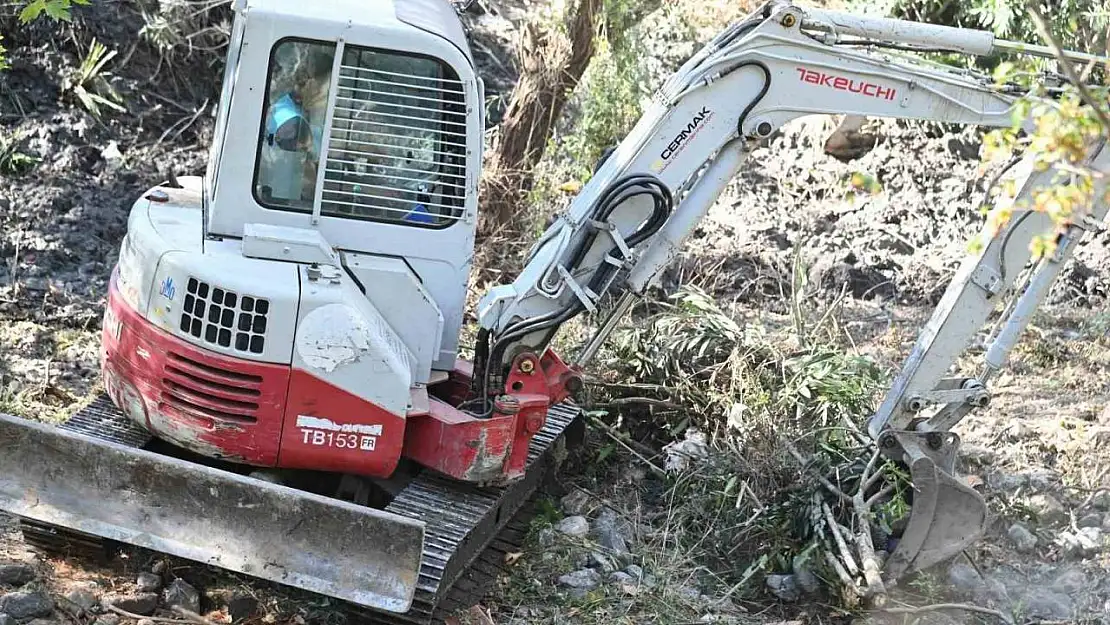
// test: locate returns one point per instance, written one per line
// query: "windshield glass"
(292, 135)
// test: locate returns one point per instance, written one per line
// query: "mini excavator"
(284, 392)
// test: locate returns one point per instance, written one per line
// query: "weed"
(90, 84)
(13, 162)
(745, 509)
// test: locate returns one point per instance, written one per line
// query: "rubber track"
(469, 529)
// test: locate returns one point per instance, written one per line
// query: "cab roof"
(437, 17)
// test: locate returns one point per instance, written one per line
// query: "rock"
(1099, 436)
(1048, 605)
(1019, 431)
(1084, 543)
(583, 578)
(142, 603)
(1041, 480)
(546, 537)
(1090, 520)
(1070, 582)
(610, 532)
(181, 594)
(1023, 539)
(992, 593)
(635, 570)
(146, 621)
(785, 587)
(26, 604)
(16, 574)
(689, 451)
(621, 577)
(107, 619)
(1048, 508)
(1101, 500)
(576, 526)
(148, 582)
(804, 576)
(965, 579)
(575, 503)
(241, 606)
(82, 599)
(977, 454)
(1005, 482)
(600, 562)
(160, 567)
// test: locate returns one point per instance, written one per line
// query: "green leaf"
(58, 10)
(32, 11)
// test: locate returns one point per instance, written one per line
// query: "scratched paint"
(335, 335)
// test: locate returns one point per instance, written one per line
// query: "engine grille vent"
(210, 392)
(221, 317)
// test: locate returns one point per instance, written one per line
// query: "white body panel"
(343, 340)
(404, 303)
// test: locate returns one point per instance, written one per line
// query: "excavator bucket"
(947, 515)
(62, 478)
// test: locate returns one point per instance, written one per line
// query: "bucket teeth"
(947, 515)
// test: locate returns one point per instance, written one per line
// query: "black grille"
(221, 317)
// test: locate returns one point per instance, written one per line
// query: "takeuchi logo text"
(841, 83)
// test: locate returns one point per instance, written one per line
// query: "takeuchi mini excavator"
(284, 392)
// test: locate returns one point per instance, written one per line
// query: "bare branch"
(1065, 63)
(950, 606)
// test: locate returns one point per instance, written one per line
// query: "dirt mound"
(897, 241)
(67, 195)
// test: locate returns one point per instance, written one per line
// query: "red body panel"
(272, 415)
(205, 402)
(329, 429)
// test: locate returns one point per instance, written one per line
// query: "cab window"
(396, 149)
(293, 128)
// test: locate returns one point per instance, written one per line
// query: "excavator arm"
(632, 218)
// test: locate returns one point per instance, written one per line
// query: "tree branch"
(950, 606)
(1066, 64)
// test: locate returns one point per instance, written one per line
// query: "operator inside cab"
(384, 144)
(293, 133)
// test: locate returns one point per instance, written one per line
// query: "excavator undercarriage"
(411, 556)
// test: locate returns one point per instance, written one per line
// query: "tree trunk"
(552, 65)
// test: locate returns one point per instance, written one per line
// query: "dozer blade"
(358, 554)
(947, 515)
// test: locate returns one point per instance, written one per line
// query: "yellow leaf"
(571, 186)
